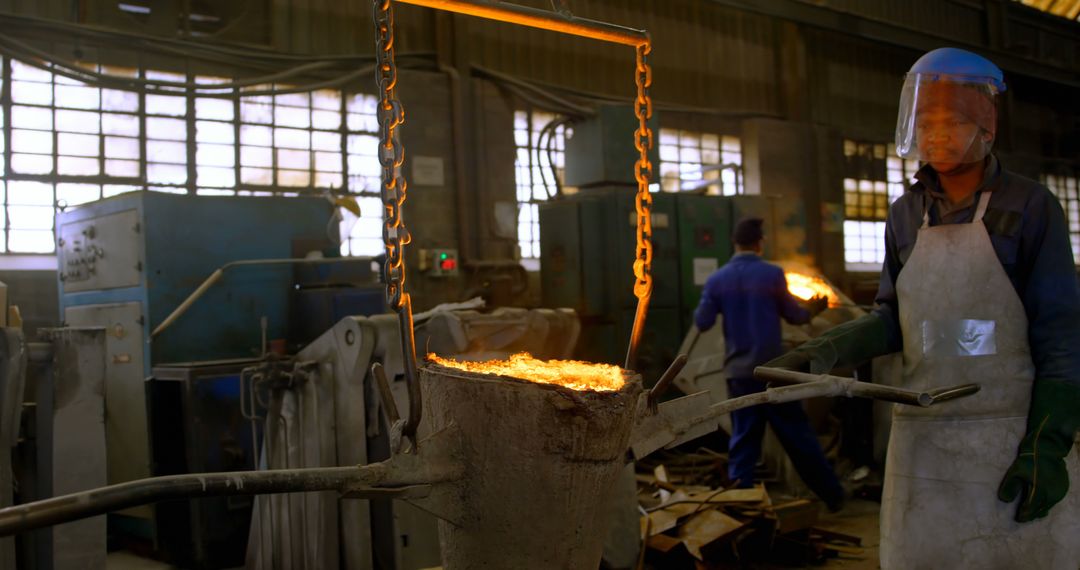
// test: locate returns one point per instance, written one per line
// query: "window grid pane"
(358, 137)
(874, 177)
(534, 170)
(73, 143)
(1066, 187)
(693, 161)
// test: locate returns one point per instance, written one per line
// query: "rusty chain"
(643, 142)
(391, 115)
(643, 252)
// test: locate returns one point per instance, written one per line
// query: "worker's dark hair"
(748, 232)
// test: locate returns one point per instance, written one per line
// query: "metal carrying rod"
(541, 19)
(403, 476)
(851, 387)
(216, 276)
(354, 481)
(665, 381)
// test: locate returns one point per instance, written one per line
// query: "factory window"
(65, 139)
(873, 178)
(1067, 189)
(69, 142)
(539, 139)
(166, 138)
(691, 161)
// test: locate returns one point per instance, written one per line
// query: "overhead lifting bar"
(541, 19)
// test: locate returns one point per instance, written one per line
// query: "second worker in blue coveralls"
(752, 296)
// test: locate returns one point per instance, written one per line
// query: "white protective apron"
(963, 322)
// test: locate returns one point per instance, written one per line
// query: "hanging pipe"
(217, 275)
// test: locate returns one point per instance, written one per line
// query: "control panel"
(100, 253)
(439, 262)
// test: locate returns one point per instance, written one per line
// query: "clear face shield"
(946, 119)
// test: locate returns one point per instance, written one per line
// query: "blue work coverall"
(752, 296)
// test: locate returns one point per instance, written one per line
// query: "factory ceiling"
(1065, 8)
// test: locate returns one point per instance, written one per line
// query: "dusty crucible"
(539, 459)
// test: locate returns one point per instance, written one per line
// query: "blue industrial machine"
(328, 292)
(127, 262)
(197, 418)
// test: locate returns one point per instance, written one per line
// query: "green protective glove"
(849, 344)
(1038, 475)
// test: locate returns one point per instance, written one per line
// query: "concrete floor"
(122, 560)
(860, 518)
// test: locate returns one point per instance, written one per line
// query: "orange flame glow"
(806, 286)
(572, 374)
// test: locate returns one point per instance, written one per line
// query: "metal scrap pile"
(692, 518)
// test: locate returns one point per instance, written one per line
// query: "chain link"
(643, 142)
(391, 115)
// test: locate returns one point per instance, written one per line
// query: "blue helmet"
(960, 64)
(948, 107)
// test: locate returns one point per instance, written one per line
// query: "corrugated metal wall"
(961, 20)
(855, 86)
(52, 9)
(704, 55)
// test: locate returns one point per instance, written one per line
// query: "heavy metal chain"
(643, 142)
(643, 252)
(391, 115)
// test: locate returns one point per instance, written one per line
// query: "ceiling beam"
(883, 32)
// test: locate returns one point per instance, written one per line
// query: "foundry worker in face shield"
(752, 296)
(978, 286)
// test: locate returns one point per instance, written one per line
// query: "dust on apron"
(963, 322)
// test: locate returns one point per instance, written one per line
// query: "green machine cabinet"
(600, 150)
(587, 251)
(785, 223)
(704, 228)
(560, 255)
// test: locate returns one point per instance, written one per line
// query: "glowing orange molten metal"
(572, 374)
(805, 286)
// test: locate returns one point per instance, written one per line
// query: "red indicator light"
(448, 264)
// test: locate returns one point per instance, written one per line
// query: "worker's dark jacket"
(753, 296)
(1031, 238)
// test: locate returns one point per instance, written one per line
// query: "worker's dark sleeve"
(888, 308)
(1051, 294)
(788, 305)
(708, 308)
